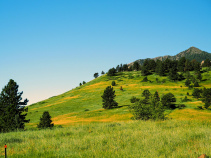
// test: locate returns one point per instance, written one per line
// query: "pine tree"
(12, 110)
(45, 121)
(108, 98)
(156, 96)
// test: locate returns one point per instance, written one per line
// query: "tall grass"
(149, 139)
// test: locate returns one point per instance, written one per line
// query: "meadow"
(84, 129)
(170, 138)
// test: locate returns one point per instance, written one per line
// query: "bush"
(181, 106)
(147, 110)
(113, 83)
(168, 99)
(121, 88)
(134, 99)
(145, 79)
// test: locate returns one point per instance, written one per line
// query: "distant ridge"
(191, 53)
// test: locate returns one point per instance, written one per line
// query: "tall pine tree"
(12, 110)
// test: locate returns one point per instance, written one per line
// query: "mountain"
(191, 53)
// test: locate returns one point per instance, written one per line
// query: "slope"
(84, 104)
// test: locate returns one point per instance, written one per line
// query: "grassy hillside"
(91, 131)
(84, 104)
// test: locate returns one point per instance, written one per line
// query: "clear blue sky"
(49, 46)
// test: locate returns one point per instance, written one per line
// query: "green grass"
(170, 138)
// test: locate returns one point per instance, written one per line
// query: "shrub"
(145, 79)
(134, 99)
(121, 88)
(168, 99)
(113, 83)
(181, 106)
(147, 110)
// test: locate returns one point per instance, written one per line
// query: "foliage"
(45, 121)
(121, 88)
(197, 93)
(111, 72)
(143, 110)
(187, 82)
(102, 73)
(146, 93)
(145, 79)
(134, 99)
(113, 83)
(181, 106)
(108, 98)
(168, 99)
(136, 66)
(96, 75)
(12, 110)
(84, 82)
(207, 97)
(156, 96)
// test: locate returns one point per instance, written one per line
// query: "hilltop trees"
(96, 75)
(108, 98)
(12, 110)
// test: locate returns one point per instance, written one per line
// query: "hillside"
(191, 53)
(84, 104)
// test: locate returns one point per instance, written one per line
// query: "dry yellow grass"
(96, 85)
(190, 114)
(67, 119)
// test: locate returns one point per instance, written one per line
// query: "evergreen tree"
(96, 75)
(108, 98)
(207, 97)
(102, 73)
(167, 99)
(111, 72)
(136, 66)
(146, 93)
(160, 68)
(145, 71)
(173, 75)
(113, 83)
(207, 63)
(181, 64)
(125, 67)
(84, 82)
(45, 121)
(12, 110)
(156, 96)
(187, 83)
(198, 76)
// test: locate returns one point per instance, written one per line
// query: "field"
(84, 129)
(170, 138)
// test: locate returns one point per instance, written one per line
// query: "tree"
(125, 67)
(173, 75)
(96, 75)
(102, 73)
(156, 96)
(147, 110)
(108, 98)
(181, 64)
(207, 63)
(80, 84)
(111, 72)
(146, 93)
(187, 83)
(113, 83)
(168, 99)
(197, 93)
(198, 76)
(84, 82)
(206, 97)
(145, 71)
(12, 110)
(136, 66)
(45, 121)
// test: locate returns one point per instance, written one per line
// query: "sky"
(50, 46)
